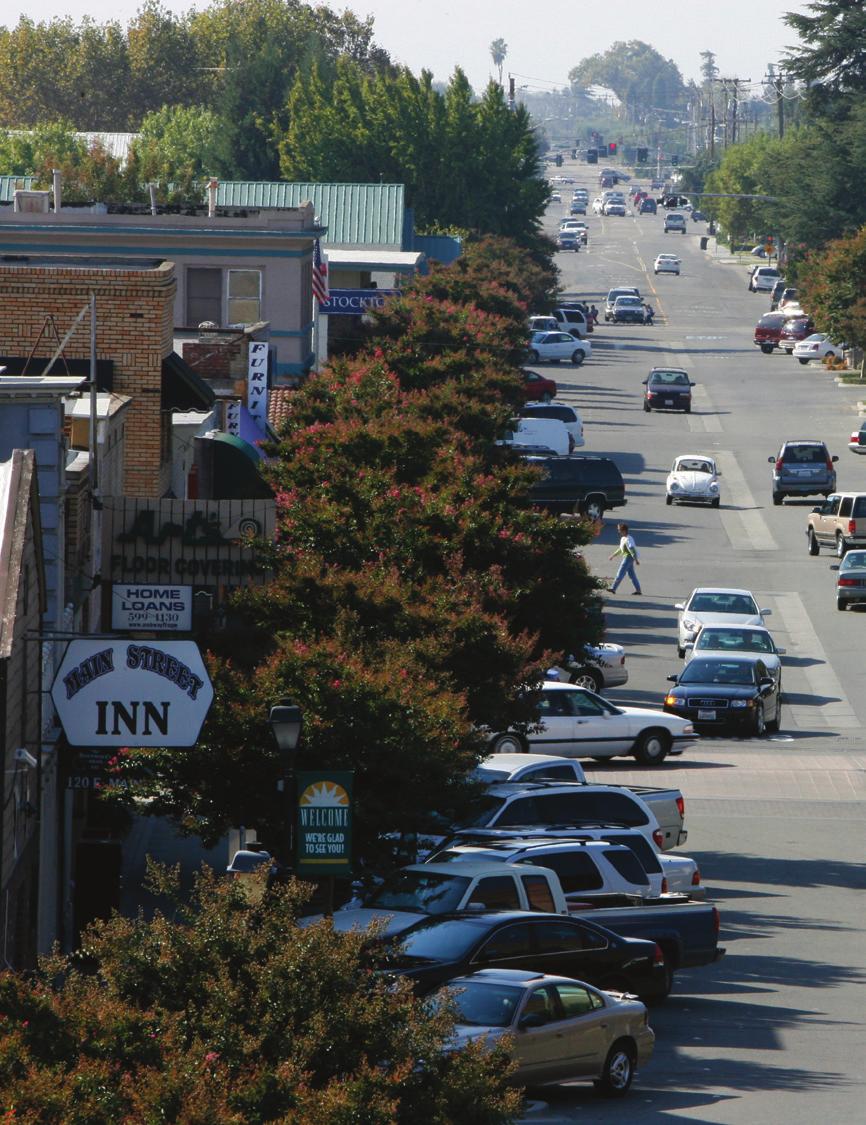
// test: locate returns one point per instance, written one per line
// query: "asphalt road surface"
(775, 1032)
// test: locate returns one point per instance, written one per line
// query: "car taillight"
(717, 921)
(658, 837)
(681, 806)
(852, 527)
(622, 659)
(664, 885)
(829, 465)
(848, 582)
(696, 877)
(659, 956)
(778, 464)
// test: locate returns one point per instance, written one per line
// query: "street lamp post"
(286, 721)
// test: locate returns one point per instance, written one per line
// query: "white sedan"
(667, 263)
(576, 723)
(817, 346)
(554, 346)
(694, 478)
(712, 605)
(721, 641)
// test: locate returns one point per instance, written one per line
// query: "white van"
(548, 433)
(560, 411)
(571, 320)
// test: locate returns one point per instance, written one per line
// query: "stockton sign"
(354, 302)
(123, 693)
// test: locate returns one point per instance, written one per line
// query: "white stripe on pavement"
(706, 421)
(741, 517)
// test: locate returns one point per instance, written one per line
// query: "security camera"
(22, 755)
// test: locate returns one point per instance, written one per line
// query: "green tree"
(230, 1014)
(833, 284)
(636, 73)
(178, 145)
(165, 63)
(831, 57)
(498, 51)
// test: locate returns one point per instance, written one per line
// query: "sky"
(543, 43)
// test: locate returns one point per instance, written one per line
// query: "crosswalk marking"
(741, 518)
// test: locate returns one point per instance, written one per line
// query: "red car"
(537, 388)
(795, 329)
(768, 331)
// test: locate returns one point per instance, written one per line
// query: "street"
(773, 1032)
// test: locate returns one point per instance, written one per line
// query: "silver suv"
(802, 468)
(840, 523)
(675, 222)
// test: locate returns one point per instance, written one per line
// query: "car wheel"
(646, 407)
(767, 349)
(778, 497)
(509, 744)
(652, 747)
(588, 678)
(715, 502)
(759, 727)
(618, 1071)
(814, 545)
(789, 351)
(681, 652)
(533, 356)
(829, 355)
(593, 508)
(687, 409)
(775, 723)
(669, 499)
(841, 604)
(841, 548)
(802, 360)
(577, 357)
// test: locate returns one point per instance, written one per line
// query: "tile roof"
(279, 406)
(355, 214)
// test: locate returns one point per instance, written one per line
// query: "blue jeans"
(626, 567)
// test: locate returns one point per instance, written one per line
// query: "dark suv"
(802, 468)
(586, 486)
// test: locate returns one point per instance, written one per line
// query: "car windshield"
(670, 378)
(420, 892)
(735, 640)
(482, 1005)
(628, 302)
(482, 811)
(854, 560)
(692, 465)
(737, 672)
(816, 338)
(723, 603)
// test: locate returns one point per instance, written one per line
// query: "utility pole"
(712, 125)
(780, 104)
(734, 107)
(511, 92)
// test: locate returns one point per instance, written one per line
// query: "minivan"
(548, 433)
(561, 411)
(802, 468)
(586, 486)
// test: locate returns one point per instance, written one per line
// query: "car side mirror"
(645, 381)
(834, 457)
(692, 384)
(673, 679)
(531, 1020)
(780, 651)
(680, 605)
(834, 566)
(771, 460)
(689, 646)
(816, 511)
(765, 612)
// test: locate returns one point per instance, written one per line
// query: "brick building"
(134, 343)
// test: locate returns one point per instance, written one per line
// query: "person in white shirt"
(627, 551)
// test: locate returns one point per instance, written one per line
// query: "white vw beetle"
(694, 477)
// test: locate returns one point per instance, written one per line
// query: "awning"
(232, 468)
(182, 388)
(375, 260)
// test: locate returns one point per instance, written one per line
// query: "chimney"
(56, 183)
(212, 198)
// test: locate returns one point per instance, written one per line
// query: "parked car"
(668, 389)
(597, 666)
(794, 330)
(802, 468)
(586, 486)
(839, 523)
(436, 950)
(768, 331)
(694, 478)
(667, 263)
(777, 291)
(571, 318)
(543, 324)
(628, 310)
(556, 346)
(561, 411)
(713, 605)
(851, 580)
(527, 767)
(763, 279)
(540, 433)
(738, 640)
(558, 1029)
(647, 207)
(698, 217)
(538, 388)
(817, 345)
(787, 298)
(574, 722)
(614, 294)
(857, 441)
(675, 222)
(717, 693)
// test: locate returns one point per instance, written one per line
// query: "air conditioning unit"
(32, 202)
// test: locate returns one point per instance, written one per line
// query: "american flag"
(320, 274)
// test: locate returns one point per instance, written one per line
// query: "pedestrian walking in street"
(593, 313)
(648, 314)
(627, 550)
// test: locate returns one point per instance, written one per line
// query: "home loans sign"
(123, 693)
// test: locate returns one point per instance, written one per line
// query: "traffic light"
(642, 155)
(675, 159)
(611, 148)
(769, 246)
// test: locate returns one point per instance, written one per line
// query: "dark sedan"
(438, 949)
(717, 693)
(668, 390)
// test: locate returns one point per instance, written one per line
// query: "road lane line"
(835, 713)
(741, 518)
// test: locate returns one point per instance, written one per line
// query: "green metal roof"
(9, 184)
(355, 214)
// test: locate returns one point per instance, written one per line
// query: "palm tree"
(498, 51)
